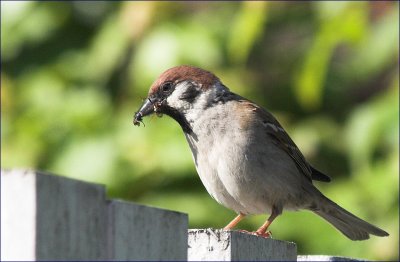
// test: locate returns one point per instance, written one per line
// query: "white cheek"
(192, 110)
(174, 100)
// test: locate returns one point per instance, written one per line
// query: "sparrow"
(244, 157)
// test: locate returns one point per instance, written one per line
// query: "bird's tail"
(351, 226)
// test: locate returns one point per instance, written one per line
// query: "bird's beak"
(146, 109)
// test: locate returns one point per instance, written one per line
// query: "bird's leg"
(262, 231)
(235, 221)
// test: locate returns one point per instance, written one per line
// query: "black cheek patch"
(178, 117)
(190, 94)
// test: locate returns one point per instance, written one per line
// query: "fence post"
(220, 245)
(47, 217)
(144, 233)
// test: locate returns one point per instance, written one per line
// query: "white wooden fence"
(47, 217)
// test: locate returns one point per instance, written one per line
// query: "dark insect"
(138, 119)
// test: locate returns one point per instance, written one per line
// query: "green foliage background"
(73, 74)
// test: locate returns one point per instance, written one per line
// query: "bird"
(245, 159)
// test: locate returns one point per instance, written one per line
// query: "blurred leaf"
(247, 27)
(140, 14)
(103, 56)
(28, 22)
(346, 23)
(87, 159)
(379, 48)
(369, 124)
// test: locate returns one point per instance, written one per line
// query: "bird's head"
(181, 92)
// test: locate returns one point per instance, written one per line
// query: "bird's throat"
(178, 117)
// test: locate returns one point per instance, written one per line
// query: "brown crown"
(185, 72)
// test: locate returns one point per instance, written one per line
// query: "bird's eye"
(166, 87)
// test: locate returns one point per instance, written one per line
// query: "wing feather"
(281, 138)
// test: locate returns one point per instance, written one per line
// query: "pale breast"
(237, 164)
(205, 159)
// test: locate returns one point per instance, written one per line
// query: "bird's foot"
(267, 234)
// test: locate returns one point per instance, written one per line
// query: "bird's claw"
(267, 234)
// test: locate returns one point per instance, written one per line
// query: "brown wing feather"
(281, 138)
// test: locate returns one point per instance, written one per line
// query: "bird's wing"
(318, 175)
(281, 138)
